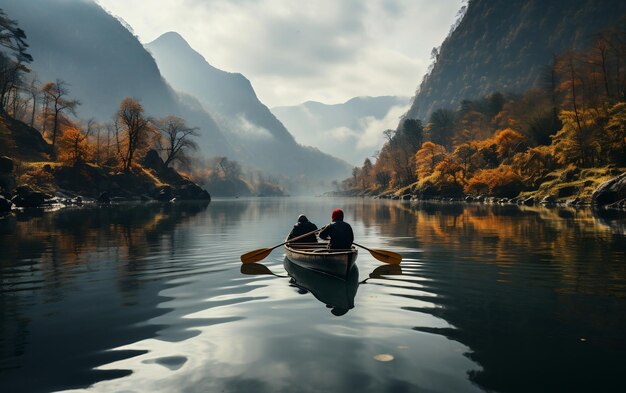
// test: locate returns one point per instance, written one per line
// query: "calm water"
(153, 298)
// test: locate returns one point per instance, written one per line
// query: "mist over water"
(154, 298)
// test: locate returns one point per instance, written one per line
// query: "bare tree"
(34, 92)
(56, 94)
(135, 129)
(175, 139)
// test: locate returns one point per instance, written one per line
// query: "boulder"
(33, 199)
(153, 161)
(620, 205)
(469, 198)
(480, 198)
(104, 198)
(610, 191)
(406, 197)
(164, 194)
(6, 165)
(529, 201)
(5, 205)
(548, 200)
(191, 191)
(23, 190)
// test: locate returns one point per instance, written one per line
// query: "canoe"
(334, 292)
(317, 256)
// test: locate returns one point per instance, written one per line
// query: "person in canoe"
(339, 232)
(303, 226)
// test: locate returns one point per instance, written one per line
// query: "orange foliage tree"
(502, 181)
(73, 147)
(509, 142)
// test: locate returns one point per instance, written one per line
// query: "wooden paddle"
(261, 253)
(389, 257)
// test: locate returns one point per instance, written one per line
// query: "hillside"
(261, 139)
(350, 130)
(504, 46)
(102, 62)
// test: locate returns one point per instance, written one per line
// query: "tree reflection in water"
(48, 256)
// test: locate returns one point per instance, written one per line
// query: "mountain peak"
(170, 38)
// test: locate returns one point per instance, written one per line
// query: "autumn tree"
(509, 142)
(502, 181)
(73, 146)
(56, 94)
(616, 133)
(133, 131)
(464, 154)
(534, 163)
(365, 174)
(427, 158)
(175, 139)
(575, 143)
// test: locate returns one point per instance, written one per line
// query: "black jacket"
(300, 229)
(340, 233)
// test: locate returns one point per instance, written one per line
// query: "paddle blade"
(256, 255)
(389, 257)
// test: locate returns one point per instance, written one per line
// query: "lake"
(153, 298)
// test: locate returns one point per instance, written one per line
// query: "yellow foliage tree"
(576, 143)
(616, 132)
(427, 158)
(534, 162)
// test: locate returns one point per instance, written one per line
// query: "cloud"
(294, 51)
(247, 130)
(372, 134)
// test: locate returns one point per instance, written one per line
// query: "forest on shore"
(558, 140)
(51, 151)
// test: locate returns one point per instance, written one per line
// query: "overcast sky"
(299, 50)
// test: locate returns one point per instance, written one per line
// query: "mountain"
(506, 45)
(249, 125)
(102, 62)
(351, 130)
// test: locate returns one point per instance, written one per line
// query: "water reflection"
(153, 298)
(336, 293)
(76, 283)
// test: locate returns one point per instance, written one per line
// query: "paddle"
(389, 257)
(261, 253)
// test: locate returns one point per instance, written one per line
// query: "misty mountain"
(248, 124)
(506, 45)
(80, 43)
(351, 130)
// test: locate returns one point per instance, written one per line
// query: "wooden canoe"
(317, 256)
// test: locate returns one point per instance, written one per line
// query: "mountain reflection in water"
(152, 298)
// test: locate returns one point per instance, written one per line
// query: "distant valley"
(352, 130)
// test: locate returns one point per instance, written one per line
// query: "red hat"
(337, 215)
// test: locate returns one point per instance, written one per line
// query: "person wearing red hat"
(339, 232)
